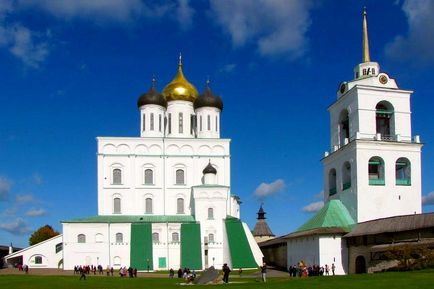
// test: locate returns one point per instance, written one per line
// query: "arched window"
(180, 177)
(332, 182)
(346, 176)
(209, 122)
(38, 260)
(116, 206)
(99, 238)
(152, 121)
(119, 238)
(383, 119)
(175, 237)
(159, 123)
(344, 128)
(180, 206)
(116, 261)
(210, 213)
(169, 123)
(200, 123)
(376, 171)
(148, 206)
(144, 122)
(403, 172)
(81, 238)
(117, 177)
(211, 238)
(149, 177)
(181, 122)
(155, 237)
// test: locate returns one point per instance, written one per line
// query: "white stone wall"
(333, 250)
(208, 122)
(306, 249)
(152, 120)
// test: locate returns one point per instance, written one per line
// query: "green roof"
(333, 214)
(135, 219)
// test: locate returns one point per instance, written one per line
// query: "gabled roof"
(134, 219)
(393, 224)
(333, 214)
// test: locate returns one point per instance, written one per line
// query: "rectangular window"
(209, 122)
(159, 122)
(152, 121)
(216, 123)
(144, 122)
(181, 123)
(170, 123)
(200, 123)
(191, 123)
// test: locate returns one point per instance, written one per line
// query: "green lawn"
(416, 279)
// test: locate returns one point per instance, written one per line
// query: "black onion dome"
(208, 99)
(209, 169)
(152, 97)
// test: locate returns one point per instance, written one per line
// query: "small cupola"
(152, 97)
(209, 174)
(208, 99)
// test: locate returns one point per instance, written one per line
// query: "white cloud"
(276, 27)
(428, 199)
(5, 187)
(228, 67)
(313, 207)
(184, 14)
(37, 179)
(17, 227)
(416, 46)
(267, 189)
(36, 212)
(22, 199)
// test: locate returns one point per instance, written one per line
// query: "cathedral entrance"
(360, 265)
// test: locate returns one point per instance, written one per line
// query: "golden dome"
(179, 88)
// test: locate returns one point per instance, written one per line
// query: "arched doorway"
(360, 265)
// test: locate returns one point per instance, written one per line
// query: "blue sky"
(72, 70)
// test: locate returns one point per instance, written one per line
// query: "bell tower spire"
(366, 57)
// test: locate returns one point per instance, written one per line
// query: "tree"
(43, 233)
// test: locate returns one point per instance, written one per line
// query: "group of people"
(24, 268)
(309, 271)
(131, 272)
(186, 273)
(88, 269)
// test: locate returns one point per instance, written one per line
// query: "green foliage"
(43, 233)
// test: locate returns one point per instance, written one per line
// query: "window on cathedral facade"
(376, 171)
(210, 213)
(117, 177)
(181, 123)
(180, 177)
(200, 123)
(155, 237)
(344, 128)
(211, 238)
(81, 238)
(144, 122)
(209, 122)
(346, 176)
(383, 119)
(159, 122)
(148, 206)
(175, 237)
(116, 206)
(216, 123)
(149, 177)
(332, 182)
(180, 206)
(169, 124)
(403, 172)
(119, 238)
(191, 124)
(152, 121)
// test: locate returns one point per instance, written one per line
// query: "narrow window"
(180, 177)
(117, 177)
(175, 237)
(403, 172)
(344, 127)
(211, 238)
(170, 123)
(155, 237)
(191, 124)
(152, 121)
(332, 182)
(181, 123)
(81, 238)
(116, 206)
(38, 260)
(210, 213)
(149, 177)
(119, 238)
(159, 123)
(346, 176)
(180, 206)
(376, 171)
(209, 122)
(216, 123)
(144, 122)
(200, 123)
(383, 117)
(148, 206)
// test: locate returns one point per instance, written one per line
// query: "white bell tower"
(374, 164)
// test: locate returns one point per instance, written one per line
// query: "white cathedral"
(164, 198)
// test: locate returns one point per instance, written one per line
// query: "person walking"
(264, 272)
(226, 271)
(333, 269)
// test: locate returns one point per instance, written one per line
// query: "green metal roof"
(333, 214)
(134, 219)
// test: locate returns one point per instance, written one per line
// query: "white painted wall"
(304, 249)
(333, 250)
